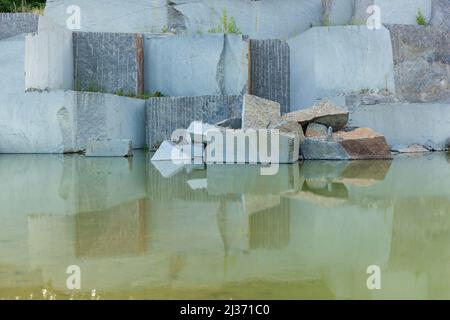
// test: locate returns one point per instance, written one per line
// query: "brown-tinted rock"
(363, 144)
(325, 113)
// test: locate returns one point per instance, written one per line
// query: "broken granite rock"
(316, 130)
(259, 113)
(287, 126)
(231, 123)
(197, 131)
(358, 144)
(325, 113)
(109, 148)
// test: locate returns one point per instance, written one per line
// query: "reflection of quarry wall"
(215, 64)
(109, 62)
(270, 71)
(12, 24)
(326, 61)
(59, 122)
(49, 57)
(164, 115)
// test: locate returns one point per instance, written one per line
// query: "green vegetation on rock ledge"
(34, 6)
(420, 18)
(226, 25)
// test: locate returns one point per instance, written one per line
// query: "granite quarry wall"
(326, 61)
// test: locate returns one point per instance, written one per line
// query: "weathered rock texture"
(406, 124)
(441, 15)
(395, 12)
(325, 113)
(49, 58)
(164, 115)
(13, 24)
(254, 18)
(213, 64)
(337, 12)
(109, 62)
(259, 113)
(422, 62)
(356, 57)
(270, 71)
(64, 121)
(359, 144)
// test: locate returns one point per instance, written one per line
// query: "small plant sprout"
(420, 18)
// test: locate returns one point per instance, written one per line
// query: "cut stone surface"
(325, 113)
(421, 62)
(337, 12)
(13, 24)
(358, 58)
(197, 131)
(259, 113)
(440, 14)
(109, 148)
(185, 153)
(316, 130)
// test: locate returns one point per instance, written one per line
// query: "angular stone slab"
(109, 148)
(109, 62)
(320, 149)
(184, 153)
(316, 130)
(259, 113)
(358, 59)
(232, 123)
(290, 127)
(165, 115)
(270, 71)
(325, 113)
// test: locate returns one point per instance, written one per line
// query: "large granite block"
(421, 62)
(440, 16)
(109, 62)
(13, 24)
(270, 78)
(327, 61)
(12, 59)
(337, 12)
(49, 58)
(214, 64)
(164, 115)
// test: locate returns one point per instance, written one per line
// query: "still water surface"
(143, 232)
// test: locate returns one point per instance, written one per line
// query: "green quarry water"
(309, 232)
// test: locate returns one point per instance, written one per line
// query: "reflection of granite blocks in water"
(164, 115)
(270, 228)
(116, 231)
(236, 179)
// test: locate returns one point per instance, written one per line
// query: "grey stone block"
(109, 148)
(315, 149)
(337, 12)
(13, 24)
(270, 71)
(109, 62)
(440, 17)
(259, 113)
(213, 64)
(166, 114)
(421, 62)
(12, 60)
